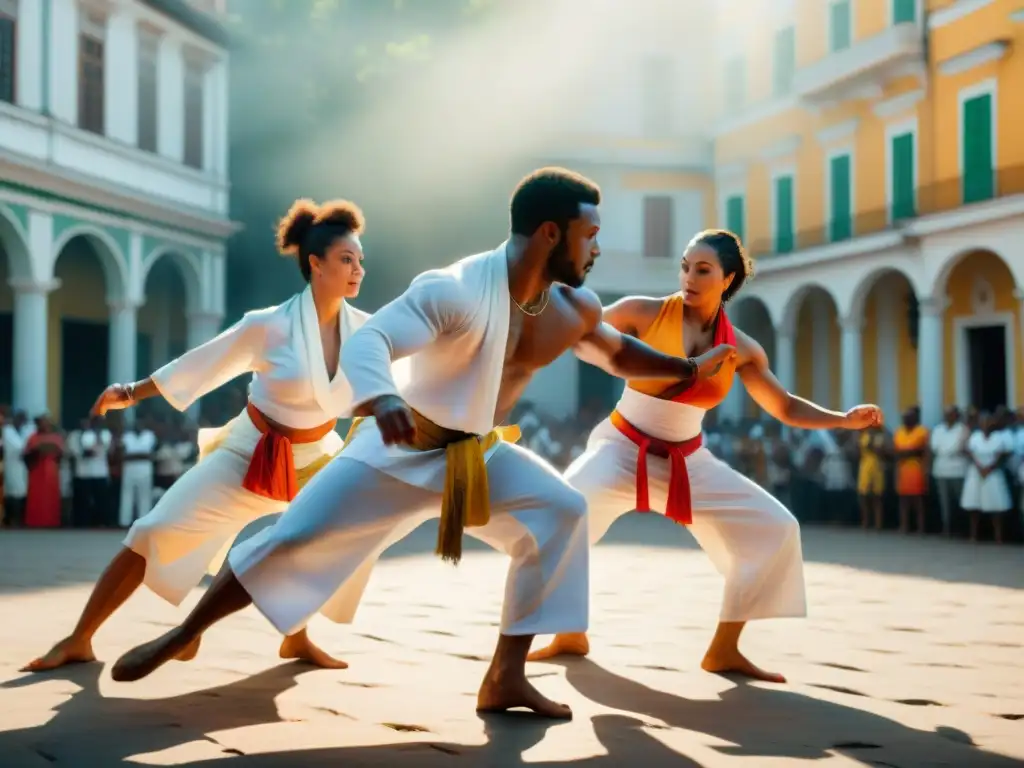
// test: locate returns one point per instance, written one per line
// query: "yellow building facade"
(871, 155)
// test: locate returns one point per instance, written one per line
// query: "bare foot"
(570, 644)
(70, 650)
(190, 651)
(145, 659)
(302, 648)
(498, 695)
(736, 663)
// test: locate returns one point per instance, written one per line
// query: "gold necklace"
(545, 297)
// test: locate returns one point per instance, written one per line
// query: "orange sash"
(679, 506)
(271, 472)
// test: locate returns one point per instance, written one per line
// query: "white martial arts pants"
(192, 525)
(318, 554)
(751, 538)
(136, 491)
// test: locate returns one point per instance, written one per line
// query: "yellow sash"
(466, 500)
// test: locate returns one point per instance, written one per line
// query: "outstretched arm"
(620, 354)
(768, 392)
(435, 304)
(199, 371)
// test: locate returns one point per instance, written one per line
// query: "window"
(147, 92)
(735, 83)
(90, 74)
(193, 114)
(901, 151)
(839, 25)
(734, 215)
(658, 227)
(840, 225)
(658, 96)
(784, 64)
(8, 55)
(784, 219)
(904, 11)
(976, 149)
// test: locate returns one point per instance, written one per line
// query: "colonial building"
(869, 153)
(113, 192)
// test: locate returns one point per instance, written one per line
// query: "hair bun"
(293, 228)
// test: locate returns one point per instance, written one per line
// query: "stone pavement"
(912, 656)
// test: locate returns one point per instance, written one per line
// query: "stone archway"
(812, 316)
(750, 315)
(886, 307)
(92, 274)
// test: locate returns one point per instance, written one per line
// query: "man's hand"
(712, 361)
(116, 397)
(394, 420)
(862, 417)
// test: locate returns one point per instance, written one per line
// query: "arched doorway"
(887, 303)
(982, 331)
(815, 321)
(89, 267)
(13, 263)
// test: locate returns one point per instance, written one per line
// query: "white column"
(821, 348)
(223, 110)
(29, 378)
(170, 94)
(122, 365)
(121, 77)
(29, 51)
(887, 323)
(851, 369)
(211, 138)
(63, 52)
(930, 368)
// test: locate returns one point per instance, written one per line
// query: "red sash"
(271, 472)
(679, 506)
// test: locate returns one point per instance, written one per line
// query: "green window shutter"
(902, 192)
(784, 64)
(841, 225)
(734, 215)
(840, 34)
(784, 225)
(904, 11)
(735, 82)
(976, 146)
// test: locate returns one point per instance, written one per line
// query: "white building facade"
(113, 192)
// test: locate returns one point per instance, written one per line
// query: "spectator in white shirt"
(986, 491)
(949, 464)
(89, 446)
(139, 445)
(16, 433)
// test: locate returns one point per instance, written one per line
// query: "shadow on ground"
(89, 730)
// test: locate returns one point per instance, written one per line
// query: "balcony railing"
(940, 197)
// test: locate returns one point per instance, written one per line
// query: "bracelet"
(695, 373)
(128, 390)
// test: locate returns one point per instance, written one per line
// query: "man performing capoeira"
(255, 464)
(648, 453)
(473, 335)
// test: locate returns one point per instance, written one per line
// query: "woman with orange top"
(648, 455)
(254, 465)
(910, 447)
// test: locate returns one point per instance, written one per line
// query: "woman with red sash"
(648, 455)
(254, 465)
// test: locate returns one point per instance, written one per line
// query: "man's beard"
(560, 266)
